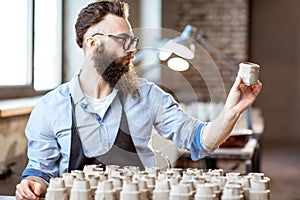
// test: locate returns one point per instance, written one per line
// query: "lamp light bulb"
(178, 64)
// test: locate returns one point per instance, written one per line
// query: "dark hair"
(95, 12)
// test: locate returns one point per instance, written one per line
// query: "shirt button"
(83, 106)
(98, 118)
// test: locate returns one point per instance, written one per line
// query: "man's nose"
(132, 49)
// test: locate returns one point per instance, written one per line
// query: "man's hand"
(242, 96)
(30, 189)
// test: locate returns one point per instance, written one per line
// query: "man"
(105, 114)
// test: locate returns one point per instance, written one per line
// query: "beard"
(117, 71)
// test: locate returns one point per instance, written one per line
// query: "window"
(31, 55)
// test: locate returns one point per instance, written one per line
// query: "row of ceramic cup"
(129, 183)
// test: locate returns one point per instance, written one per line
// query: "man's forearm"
(217, 131)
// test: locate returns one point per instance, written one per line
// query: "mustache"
(120, 60)
(129, 56)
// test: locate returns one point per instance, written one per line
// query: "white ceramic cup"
(249, 73)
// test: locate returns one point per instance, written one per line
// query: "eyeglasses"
(127, 40)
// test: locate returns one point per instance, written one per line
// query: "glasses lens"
(129, 42)
(135, 42)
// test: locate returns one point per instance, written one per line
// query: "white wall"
(73, 55)
(275, 44)
(150, 34)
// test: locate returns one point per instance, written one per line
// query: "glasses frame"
(123, 37)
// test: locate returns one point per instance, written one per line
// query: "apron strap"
(77, 159)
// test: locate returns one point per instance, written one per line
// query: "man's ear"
(91, 42)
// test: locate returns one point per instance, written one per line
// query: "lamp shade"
(178, 64)
(166, 51)
(182, 46)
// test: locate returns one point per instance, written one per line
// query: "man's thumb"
(237, 82)
(38, 189)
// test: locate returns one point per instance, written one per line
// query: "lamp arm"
(224, 58)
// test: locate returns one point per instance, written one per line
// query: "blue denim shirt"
(49, 127)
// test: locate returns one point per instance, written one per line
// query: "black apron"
(122, 153)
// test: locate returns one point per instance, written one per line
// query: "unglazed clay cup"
(162, 190)
(118, 185)
(181, 192)
(56, 183)
(249, 73)
(56, 190)
(105, 190)
(78, 173)
(206, 189)
(260, 185)
(81, 184)
(68, 178)
(81, 190)
(232, 192)
(259, 190)
(131, 192)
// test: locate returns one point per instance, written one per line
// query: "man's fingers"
(237, 83)
(24, 190)
(18, 195)
(257, 88)
(28, 193)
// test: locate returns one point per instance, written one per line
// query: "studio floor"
(282, 165)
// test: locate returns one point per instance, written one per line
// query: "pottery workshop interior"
(150, 99)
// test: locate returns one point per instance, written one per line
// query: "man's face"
(116, 34)
(114, 48)
(111, 58)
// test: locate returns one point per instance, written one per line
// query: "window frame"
(21, 91)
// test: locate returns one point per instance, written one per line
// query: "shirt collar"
(76, 92)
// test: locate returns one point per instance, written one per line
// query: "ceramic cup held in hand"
(249, 73)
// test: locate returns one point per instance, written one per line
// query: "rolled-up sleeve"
(198, 149)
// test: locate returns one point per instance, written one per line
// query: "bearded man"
(105, 114)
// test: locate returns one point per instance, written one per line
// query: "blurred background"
(39, 52)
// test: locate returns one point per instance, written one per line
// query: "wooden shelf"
(16, 107)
